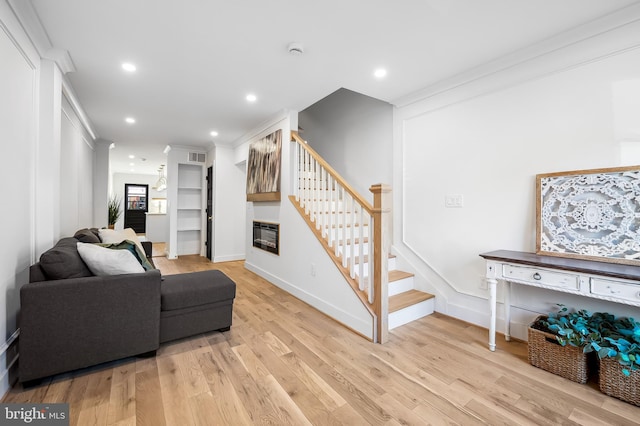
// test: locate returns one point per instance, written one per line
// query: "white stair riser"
(411, 313)
(400, 286)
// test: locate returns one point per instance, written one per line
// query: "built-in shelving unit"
(189, 209)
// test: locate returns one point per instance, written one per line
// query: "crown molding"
(281, 115)
(67, 90)
(62, 59)
(31, 24)
(612, 33)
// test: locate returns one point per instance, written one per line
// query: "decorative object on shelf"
(263, 168)
(590, 214)
(266, 236)
(114, 211)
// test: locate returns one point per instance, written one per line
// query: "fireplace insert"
(266, 236)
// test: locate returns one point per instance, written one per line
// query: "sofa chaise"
(71, 318)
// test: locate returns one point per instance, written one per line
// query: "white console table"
(600, 280)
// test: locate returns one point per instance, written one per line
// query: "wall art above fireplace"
(590, 214)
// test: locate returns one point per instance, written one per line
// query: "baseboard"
(356, 324)
(9, 357)
(228, 258)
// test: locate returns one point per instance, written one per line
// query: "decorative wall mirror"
(590, 214)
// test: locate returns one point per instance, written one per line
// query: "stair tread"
(397, 275)
(408, 298)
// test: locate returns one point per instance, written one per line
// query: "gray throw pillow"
(63, 261)
(86, 236)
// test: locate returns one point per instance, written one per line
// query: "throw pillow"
(112, 236)
(103, 261)
(133, 248)
(63, 261)
(86, 236)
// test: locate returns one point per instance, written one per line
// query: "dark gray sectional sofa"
(71, 319)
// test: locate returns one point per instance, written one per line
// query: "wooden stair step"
(397, 275)
(408, 298)
(394, 275)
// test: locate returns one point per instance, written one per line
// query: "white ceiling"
(198, 59)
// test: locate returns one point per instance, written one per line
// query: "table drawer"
(616, 289)
(536, 276)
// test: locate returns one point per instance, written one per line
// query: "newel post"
(382, 225)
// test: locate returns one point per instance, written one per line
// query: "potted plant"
(560, 343)
(619, 354)
(114, 211)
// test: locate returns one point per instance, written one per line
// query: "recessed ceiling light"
(380, 73)
(132, 164)
(128, 67)
(251, 97)
(131, 156)
(214, 133)
(130, 120)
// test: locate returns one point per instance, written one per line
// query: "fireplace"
(266, 236)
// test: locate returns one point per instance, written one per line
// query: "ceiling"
(198, 59)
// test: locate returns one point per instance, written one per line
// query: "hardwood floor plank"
(175, 400)
(283, 363)
(122, 401)
(149, 408)
(229, 408)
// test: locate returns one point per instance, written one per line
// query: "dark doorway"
(209, 238)
(136, 207)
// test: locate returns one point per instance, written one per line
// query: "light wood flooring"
(284, 363)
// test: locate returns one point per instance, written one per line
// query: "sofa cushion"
(194, 289)
(63, 261)
(103, 261)
(113, 236)
(86, 236)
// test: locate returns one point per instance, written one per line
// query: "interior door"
(209, 237)
(136, 207)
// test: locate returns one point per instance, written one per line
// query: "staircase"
(356, 236)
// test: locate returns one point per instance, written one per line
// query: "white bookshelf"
(189, 209)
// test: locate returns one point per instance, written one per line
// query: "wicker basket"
(614, 383)
(567, 361)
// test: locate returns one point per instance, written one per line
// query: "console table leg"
(507, 311)
(492, 284)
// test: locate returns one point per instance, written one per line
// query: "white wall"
(18, 136)
(327, 291)
(229, 192)
(76, 173)
(353, 133)
(487, 142)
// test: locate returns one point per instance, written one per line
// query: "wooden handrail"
(356, 196)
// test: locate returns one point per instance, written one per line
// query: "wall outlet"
(454, 200)
(313, 269)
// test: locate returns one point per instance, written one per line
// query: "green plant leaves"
(608, 336)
